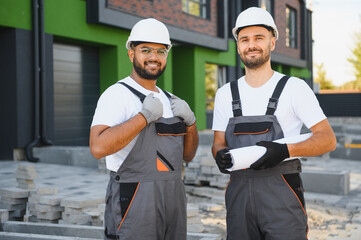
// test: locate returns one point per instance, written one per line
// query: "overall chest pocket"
(250, 128)
(175, 129)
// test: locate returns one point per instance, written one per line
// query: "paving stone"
(331, 182)
(195, 228)
(192, 210)
(78, 202)
(48, 208)
(12, 206)
(73, 211)
(27, 167)
(49, 215)
(24, 185)
(50, 200)
(210, 207)
(46, 191)
(4, 215)
(19, 213)
(82, 219)
(13, 192)
(39, 220)
(13, 200)
(194, 220)
(21, 174)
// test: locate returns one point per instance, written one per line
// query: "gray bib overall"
(263, 204)
(145, 198)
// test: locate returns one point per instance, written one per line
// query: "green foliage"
(322, 79)
(355, 60)
(211, 84)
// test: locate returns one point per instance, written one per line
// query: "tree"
(322, 79)
(355, 60)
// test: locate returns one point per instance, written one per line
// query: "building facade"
(57, 57)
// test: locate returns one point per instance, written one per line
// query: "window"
(215, 78)
(199, 8)
(291, 27)
(267, 4)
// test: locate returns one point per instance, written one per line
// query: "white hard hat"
(149, 30)
(254, 16)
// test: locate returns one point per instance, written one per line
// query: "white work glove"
(152, 108)
(181, 109)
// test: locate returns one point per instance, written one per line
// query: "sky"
(334, 24)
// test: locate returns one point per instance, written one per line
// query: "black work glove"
(275, 154)
(224, 160)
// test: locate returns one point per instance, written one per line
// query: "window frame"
(271, 7)
(291, 27)
(204, 7)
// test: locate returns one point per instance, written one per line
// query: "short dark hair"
(259, 25)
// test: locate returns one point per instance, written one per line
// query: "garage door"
(76, 91)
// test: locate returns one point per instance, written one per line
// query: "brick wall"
(170, 12)
(280, 19)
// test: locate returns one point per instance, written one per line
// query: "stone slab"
(79, 202)
(4, 215)
(49, 215)
(48, 208)
(50, 200)
(11, 207)
(74, 231)
(14, 192)
(330, 182)
(13, 200)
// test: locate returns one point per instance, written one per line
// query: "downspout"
(29, 147)
(44, 138)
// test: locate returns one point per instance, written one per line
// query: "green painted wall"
(16, 13)
(189, 74)
(165, 81)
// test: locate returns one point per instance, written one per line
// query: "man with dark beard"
(144, 133)
(266, 201)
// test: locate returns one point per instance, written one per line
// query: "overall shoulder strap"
(167, 94)
(236, 100)
(133, 90)
(273, 101)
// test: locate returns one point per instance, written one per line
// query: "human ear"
(131, 54)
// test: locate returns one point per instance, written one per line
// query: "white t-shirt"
(118, 104)
(297, 104)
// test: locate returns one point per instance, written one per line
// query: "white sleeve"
(222, 108)
(306, 105)
(111, 108)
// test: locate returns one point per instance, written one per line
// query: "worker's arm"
(322, 141)
(219, 142)
(190, 143)
(221, 152)
(181, 109)
(105, 140)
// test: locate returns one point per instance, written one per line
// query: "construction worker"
(144, 133)
(266, 201)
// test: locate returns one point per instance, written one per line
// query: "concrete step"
(350, 153)
(48, 229)
(27, 236)
(326, 181)
(12, 230)
(66, 155)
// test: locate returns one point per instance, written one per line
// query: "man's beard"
(142, 72)
(254, 63)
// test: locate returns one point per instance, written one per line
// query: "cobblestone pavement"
(331, 217)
